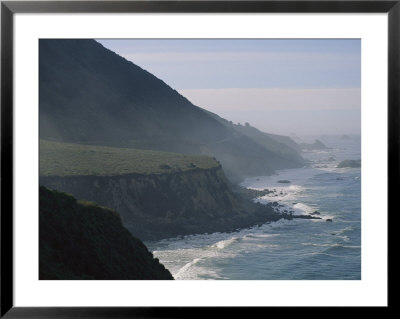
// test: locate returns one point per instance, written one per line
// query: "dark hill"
(89, 94)
(81, 240)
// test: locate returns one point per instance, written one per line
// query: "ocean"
(298, 249)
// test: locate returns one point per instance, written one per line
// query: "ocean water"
(298, 249)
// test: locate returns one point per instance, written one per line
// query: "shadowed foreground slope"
(81, 240)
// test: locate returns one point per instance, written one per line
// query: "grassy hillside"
(90, 95)
(81, 240)
(67, 159)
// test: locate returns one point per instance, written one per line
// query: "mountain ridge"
(91, 95)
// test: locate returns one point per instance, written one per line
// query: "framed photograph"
(165, 157)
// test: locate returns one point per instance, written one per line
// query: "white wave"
(334, 245)
(328, 167)
(184, 257)
(345, 230)
(260, 236)
(296, 188)
(303, 209)
(207, 252)
(317, 151)
(344, 237)
(224, 243)
(323, 254)
(182, 270)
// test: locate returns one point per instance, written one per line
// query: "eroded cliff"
(154, 206)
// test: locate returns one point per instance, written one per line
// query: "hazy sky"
(279, 86)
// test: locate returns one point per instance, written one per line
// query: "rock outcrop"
(317, 145)
(349, 163)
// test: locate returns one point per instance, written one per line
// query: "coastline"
(300, 245)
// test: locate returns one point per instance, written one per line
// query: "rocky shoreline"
(283, 211)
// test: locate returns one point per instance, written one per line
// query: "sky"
(282, 86)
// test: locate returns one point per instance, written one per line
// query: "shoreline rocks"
(317, 145)
(349, 163)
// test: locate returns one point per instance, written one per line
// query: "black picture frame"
(9, 8)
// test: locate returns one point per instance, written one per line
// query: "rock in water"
(317, 145)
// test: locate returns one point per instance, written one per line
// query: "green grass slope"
(81, 240)
(68, 159)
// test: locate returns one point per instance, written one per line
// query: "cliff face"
(166, 205)
(81, 240)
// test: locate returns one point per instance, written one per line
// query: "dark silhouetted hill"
(81, 240)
